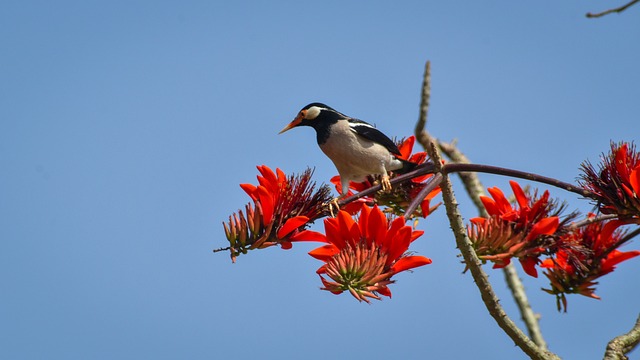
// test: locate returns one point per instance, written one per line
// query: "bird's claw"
(333, 206)
(385, 183)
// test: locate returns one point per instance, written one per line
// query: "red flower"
(522, 230)
(402, 194)
(282, 208)
(361, 256)
(617, 183)
(585, 254)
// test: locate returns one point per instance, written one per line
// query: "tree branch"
(449, 168)
(474, 189)
(623, 344)
(616, 10)
(489, 298)
(529, 317)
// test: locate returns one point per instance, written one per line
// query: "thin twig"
(222, 249)
(623, 344)
(450, 168)
(591, 220)
(432, 184)
(425, 96)
(470, 180)
(616, 10)
(422, 169)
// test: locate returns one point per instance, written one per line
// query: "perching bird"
(356, 148)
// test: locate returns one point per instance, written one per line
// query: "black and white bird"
(356, 148)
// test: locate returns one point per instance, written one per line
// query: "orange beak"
(294, 123)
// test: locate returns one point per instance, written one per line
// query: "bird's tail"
(408, 166)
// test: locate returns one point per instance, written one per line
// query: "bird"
(356, 148)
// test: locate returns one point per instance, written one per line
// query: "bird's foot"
(333, 206)
(386, 183)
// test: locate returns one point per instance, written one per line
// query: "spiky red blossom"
(521, 230)
(282, 208)
(616, 184)
(402, 194)
(362, 255)
(585, 254)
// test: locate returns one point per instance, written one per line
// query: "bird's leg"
(385, 182)
(333, 205)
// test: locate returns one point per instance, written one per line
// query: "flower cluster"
(616, 184)
(402, 194)
(362, 255)
(523, 230)
(282, 208)
(585, 254)
(364, 247)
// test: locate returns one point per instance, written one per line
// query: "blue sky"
(126, 127)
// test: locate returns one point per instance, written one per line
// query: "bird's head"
(314, 115)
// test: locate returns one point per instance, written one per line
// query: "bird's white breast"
(356, 157)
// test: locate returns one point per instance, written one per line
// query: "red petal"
(606, 234)
(519, 194)
(384, 291)
(529, 265)
(546, 226)
(332, 229)
(547, 263)
(418, 157)
(322, 270)
(308, 235)
(390, 237)
(502, 263)
(406, 147)
(286, 245)
(540, 205)
(410, 262)
(424, 207)
(250, 190)
(354, 207)
(282, 178)
(269, 175)
(634, 179)
(266, 200)
(400, 244)
(377, 226)
(621, 162)
(291, 225)
(345, 222)
(616, 257)
(324, 252)
(627, 190)
(363, 223)
(502, 204)
(416, 234)
(489, 205)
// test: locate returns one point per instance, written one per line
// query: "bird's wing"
(368, 131)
